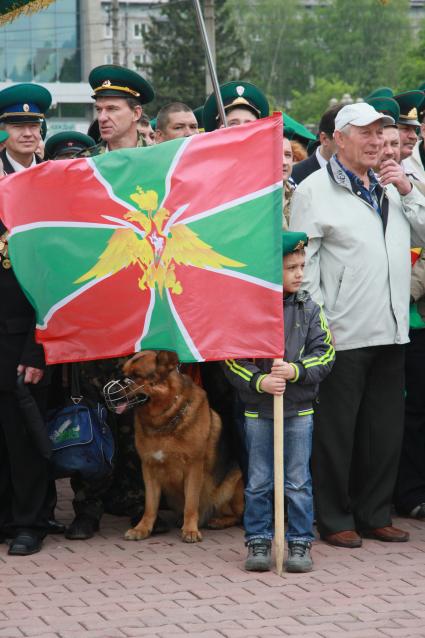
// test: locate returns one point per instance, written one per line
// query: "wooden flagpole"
(279, 495)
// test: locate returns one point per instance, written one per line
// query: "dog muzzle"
(122, 394)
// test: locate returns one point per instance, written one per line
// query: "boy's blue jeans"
(258, 517)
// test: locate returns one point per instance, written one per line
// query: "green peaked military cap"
(421, 109)
(3, 136)
(199, 114)
(23, 103)
(382, 91)
(293, 241)
(386, 105)
(112, 80)
(409, 103)
(68, 142)
(292, 129)
(235, 94)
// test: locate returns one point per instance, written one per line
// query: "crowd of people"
(353, 228)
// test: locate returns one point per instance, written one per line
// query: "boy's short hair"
(298, 251)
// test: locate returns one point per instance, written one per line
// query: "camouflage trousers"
(122, 492)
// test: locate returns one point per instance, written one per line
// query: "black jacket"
(17, 322)
(305, 168)
(308, 346)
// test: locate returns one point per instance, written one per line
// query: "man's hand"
(392, 173)
(31, 375)
(273, 385)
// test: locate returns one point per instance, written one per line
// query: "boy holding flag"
(309, 356)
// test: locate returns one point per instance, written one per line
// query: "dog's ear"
(128, 365)
(167, 360)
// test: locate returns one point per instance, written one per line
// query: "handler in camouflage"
(119, 94)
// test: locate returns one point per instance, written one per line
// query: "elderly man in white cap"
(360, 230)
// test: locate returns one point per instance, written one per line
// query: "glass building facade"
(43, 47)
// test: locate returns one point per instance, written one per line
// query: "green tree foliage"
(337, 47)
(300, 57)
(280, 41)
(308, 106)
(362, 42)
(177, 68)
(412, 72)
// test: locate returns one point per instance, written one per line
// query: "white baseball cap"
(360, 114)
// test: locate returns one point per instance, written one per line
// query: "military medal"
(4, 252)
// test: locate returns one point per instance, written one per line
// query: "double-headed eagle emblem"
(156, 245)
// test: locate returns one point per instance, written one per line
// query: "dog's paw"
(137, 534)
(191, 536)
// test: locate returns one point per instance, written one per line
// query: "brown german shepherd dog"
(178, 439)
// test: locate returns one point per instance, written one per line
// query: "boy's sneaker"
(259, 555)
(299, 558)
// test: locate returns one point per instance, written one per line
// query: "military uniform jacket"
(101, 148)
(17, 322)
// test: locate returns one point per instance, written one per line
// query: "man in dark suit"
(324, 149)
(24, 483)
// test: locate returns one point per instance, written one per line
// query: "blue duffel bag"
(82, 441)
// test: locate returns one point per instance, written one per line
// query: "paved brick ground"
(110, 588)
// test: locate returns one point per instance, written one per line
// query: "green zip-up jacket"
(308, 348)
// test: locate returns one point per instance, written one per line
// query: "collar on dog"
(170, 425)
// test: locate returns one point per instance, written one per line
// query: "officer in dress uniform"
(408, 128)
(243, 102)
(24, 482)
(409, 102)
(418, 156)
(119, 94)
(408, 125)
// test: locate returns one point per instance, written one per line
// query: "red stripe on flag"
(65, 190)
(104, 321)
(231, 317)
(221, 166)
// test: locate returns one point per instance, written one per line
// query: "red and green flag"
(174, 247)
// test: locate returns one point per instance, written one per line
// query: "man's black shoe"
(26, 542)
(54, 527)
(82, 528)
